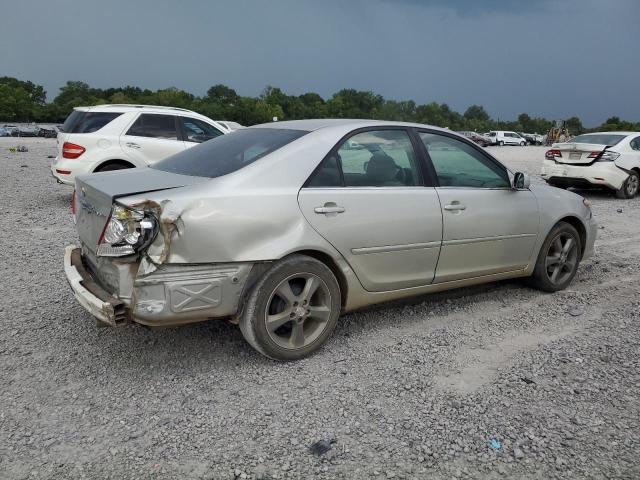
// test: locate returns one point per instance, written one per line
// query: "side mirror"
(521, 181)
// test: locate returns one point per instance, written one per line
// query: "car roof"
(353, 123)
(613, 132)
(131, 108)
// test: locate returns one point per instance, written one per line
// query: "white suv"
(502, 137)
(113, 137)
(607, 159)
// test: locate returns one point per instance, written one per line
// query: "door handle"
(329, 208)
(455, 206)
(132, 145)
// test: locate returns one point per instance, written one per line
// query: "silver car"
(282, 227)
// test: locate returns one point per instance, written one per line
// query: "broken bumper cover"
(89, 294)
(172, 294)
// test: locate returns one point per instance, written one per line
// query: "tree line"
(24, 101)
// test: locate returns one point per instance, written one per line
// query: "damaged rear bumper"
(172, 294)
(89, 294)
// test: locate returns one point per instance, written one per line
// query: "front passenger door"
(488, 227)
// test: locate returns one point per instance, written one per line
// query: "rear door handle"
(132, 145)
(329, 208)
(455, 206)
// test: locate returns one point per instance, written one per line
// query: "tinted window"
(635, 143)
(328, 174)
(460, 165)
(87, 122)
(599, 138)
(198, 131)
(228, 153)
(381, 158)
(154, 126)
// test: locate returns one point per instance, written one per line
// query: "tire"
(293, 332)
(109, 167)
(501, 143)
(558, 260)
(630, 186)
(522, 144)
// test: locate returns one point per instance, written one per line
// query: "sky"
(548, 58)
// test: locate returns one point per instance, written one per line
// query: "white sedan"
(608, 159)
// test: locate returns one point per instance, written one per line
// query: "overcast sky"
(548, 58)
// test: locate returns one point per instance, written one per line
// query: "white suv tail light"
(71, 150)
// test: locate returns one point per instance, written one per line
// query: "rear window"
(228, 153)
(87, 122)
(599, 139)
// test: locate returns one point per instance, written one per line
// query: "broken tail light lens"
(608, 156)
(71, 150)
(553, 154)
(128, 231)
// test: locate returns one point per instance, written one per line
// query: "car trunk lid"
(96, 193)
(578, 153)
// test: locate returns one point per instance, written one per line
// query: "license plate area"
(575, 155)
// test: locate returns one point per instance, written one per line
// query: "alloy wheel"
(298, 310)
(632, 185)
(562, 258)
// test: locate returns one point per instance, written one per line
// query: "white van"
(505, 137)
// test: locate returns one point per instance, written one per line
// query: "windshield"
(599, 139)
(228, 153)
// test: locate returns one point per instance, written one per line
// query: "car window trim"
(339, 143)
(429, 161)
(185, 138)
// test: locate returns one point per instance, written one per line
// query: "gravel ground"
(411, 390)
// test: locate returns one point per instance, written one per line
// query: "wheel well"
(124, 163)
(579, 226)
(330, 262)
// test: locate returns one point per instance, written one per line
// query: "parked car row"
(48, 131)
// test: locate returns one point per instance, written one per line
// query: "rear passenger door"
(152, 137)
(368, 198)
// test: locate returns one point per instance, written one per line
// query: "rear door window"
(154, 125)
(87, 122)
(197, 131)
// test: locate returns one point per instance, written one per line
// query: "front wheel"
(558, 259)
(630, 186)
(292, 310)
(501, 143)
(522, 144)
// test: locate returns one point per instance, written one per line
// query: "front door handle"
(329, 208)
(455, 206)
(132, 145)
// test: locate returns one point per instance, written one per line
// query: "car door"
(195, 131)
(488, 227)
(368, 198)
(152, 137)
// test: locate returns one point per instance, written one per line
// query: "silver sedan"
(282, 227)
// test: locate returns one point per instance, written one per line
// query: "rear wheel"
(558, 259)
(501, 143)
(292, 310)
(630, 186)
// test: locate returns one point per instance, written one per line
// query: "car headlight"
(128, 231)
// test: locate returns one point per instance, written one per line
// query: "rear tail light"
(71, 150)
(127, 232)
(553, 154)
(608, 156)
(594, 154)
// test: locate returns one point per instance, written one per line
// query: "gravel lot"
(411, 390)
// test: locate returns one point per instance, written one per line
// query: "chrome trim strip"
(465, 241)
(394, 248)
